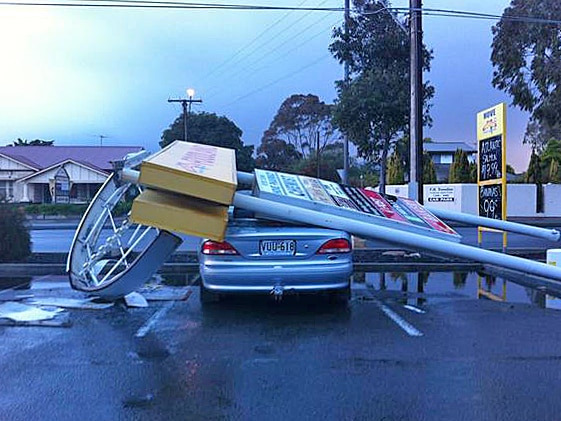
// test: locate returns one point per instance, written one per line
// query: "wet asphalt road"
(301, 359)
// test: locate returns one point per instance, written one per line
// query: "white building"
(442, 155)
(56, 174)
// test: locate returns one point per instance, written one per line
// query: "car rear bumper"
(224, 277)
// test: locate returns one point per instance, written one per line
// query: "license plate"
(277, 247)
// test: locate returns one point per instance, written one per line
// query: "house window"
(446, 158)
(6, 190)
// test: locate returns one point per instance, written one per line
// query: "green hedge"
(63, 209)
(15, 242)
(55, 209)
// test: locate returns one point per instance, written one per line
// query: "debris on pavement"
(18, 314)
(134, 299)
(74, 303)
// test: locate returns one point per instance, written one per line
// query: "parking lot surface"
(392, 354)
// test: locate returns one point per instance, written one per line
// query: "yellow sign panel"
(491, 122)
(491, 165)
(193, 169)
(178, 213)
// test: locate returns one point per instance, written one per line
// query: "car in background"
(260, 256)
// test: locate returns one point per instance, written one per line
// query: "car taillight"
(338, 245)
(216, 247)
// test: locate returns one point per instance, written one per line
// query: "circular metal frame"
(112, 256)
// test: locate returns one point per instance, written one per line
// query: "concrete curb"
(365, 259)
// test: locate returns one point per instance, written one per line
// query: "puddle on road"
(414, 288)
(421, 288)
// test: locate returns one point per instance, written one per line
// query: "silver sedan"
(268, 257)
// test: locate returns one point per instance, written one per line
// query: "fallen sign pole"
(296, 214)
(547, 234)
(538, 232)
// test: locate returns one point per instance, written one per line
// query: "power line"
(153, 4)
(221, 65)
(478, 15)
(274, 82)
(274, 49)
(287, 52)
(131, 4)
(267, 41)
(277, 58)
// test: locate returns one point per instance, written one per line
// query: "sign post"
(491, 166)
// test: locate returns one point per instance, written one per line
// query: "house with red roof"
(56, 174)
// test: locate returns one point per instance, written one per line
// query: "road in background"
(59, 240)
(56, 236)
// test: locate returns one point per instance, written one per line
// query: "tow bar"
(277, 292)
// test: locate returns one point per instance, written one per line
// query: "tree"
(535, 136)
(473, 172)
(396, 173)
(35, 142)
(330, 160)
(526, 57)
(372, 108)
(363, 174)
(534, 176)
(403, 149)
(534, 171)
(298, 122)
(554, 173)
(459, 170)
(277, 155)
(210, 129)
(429, 171)
(15, 243)
(550, 159)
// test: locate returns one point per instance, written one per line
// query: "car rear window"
(242, 217)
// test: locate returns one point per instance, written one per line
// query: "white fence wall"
(552, 199)
(521, 198)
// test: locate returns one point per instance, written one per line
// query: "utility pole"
(101, 137)
(416, 116)
(345, 177)
(318, 155)
(186, 103)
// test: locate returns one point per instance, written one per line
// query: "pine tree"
(459, 170)
(429, 171)
(554, 174)
(396, 173)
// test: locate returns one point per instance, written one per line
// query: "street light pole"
(416, 116)
(345, 178)
(186, 104)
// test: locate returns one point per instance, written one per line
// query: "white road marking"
(414, 309)
(151, 322)
(402, 323)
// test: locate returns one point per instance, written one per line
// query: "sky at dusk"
(73, 74)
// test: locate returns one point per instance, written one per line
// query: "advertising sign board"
(193, 169)
(490, 201)
(62, 186)
(491, 164)
(352, 202)
(491, 157)
(441, 194)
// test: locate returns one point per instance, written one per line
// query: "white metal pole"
(548, 234)
(415, 241)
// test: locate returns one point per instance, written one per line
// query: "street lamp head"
(190, 92)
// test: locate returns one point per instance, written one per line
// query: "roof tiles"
(40, 157)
